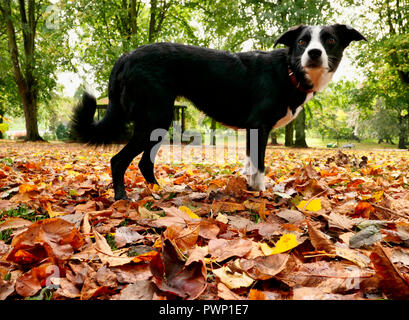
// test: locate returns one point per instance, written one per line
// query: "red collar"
(296, 83)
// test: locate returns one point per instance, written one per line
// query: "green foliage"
(24, 213)
(329, 112)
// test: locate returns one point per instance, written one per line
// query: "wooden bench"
(179, 113)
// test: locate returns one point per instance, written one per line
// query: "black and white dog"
(254, 90)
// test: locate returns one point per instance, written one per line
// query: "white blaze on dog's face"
(316, 51)
(314, 60)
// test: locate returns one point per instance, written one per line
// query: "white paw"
(246, 168)
(256, 181)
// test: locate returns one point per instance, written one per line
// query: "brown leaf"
(263, 268)
(319, 240)
(31, 282)
(208, 229)
(68, 289)
(393, 283)
(6, 288)
(130, 273)
(236, 186)
(90, 285)
(140, 290)
(220, 206)
(172, 275)
(182, 238)
(55, 238)
(28, 284)
(105, 277)
(308, 293)
(314, 273)
(126, 235)
(226, 294)
(174, 216)
(221, 249)
(14, 223)
(105, 253)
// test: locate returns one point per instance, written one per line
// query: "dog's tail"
(108, 130)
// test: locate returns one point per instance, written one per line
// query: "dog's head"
(317, 50)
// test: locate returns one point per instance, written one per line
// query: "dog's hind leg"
(147, 162)
(121, 161)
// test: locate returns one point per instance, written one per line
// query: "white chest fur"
(290, 116)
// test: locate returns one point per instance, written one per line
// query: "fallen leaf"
(140, 290)
(233, 280)
(313, 205)
(189, 212)
(365, 237)
(393, 283)
(226, 294)
(55, 238)
(172, 275)
(182, 238)
(6, 288)
(256, 295)
(221, 249)
(14, 223)
(320, 240)
(287, 242)
(126, 235)
(263, 268)
(292, 216)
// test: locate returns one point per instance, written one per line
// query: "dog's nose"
(314, 53)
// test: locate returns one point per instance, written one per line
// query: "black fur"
(249, 90)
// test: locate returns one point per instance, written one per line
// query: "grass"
(363, 144)
(23, 212)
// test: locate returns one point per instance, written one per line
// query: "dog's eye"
(331, 41)
(302, 42)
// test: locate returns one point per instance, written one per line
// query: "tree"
(112, 28)
(386, 62)
(34, 52)
(330, 111)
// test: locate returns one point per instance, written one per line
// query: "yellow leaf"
(68, 166)
(287, 242)
(52, 213)
(377, 196)
(313, 205)
(189, 212)
(155, 187)
(233, 280)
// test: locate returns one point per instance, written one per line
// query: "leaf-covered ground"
(331, 225)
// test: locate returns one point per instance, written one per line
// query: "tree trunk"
(26, 82)
(152, 20)
(300, 131)
(273, 136)
(402, 133)
(213, 133)
(30, 115)
(289, 135)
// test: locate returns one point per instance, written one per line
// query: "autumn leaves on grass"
(329, 226)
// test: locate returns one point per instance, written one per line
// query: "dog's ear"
(288, 37)
(347, 34)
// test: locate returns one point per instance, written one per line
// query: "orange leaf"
(364, 209)
(355, 183)
(23, 188)
(256, 295)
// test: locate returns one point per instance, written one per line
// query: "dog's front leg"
(256, 142)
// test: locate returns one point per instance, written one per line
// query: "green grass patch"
(24, 213)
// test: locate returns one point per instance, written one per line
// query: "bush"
(62, 132)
